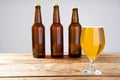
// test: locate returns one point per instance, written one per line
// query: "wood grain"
(22, 66)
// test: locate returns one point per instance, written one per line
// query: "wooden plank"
(62, 78)
(54, 69)
(24, 66)
(30, 54)
(28, 58)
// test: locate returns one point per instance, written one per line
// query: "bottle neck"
(75, 17)
(56, 15)
(38, 18)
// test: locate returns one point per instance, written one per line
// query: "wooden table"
(22, 66)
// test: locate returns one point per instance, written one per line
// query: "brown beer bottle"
(56, 34)
(74, 35)
(38, 34)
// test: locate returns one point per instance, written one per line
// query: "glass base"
(92, 71)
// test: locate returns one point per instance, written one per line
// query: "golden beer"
(92, 41)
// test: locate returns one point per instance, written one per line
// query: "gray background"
(17, 18)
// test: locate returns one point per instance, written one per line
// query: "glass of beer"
(92, 42)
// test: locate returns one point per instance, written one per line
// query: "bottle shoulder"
(38, 25)
(75, 25)
(56, 25)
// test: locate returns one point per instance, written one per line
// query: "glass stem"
(92, 65)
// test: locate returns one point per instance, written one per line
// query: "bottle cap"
(74, 7)
(37, 5)
(56, 4)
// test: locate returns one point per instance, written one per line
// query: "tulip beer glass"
(92, 42)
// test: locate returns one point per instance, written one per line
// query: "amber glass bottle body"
(74, 35)
(56, 35)
(38, 35)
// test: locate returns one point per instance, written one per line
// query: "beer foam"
(94, 26)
